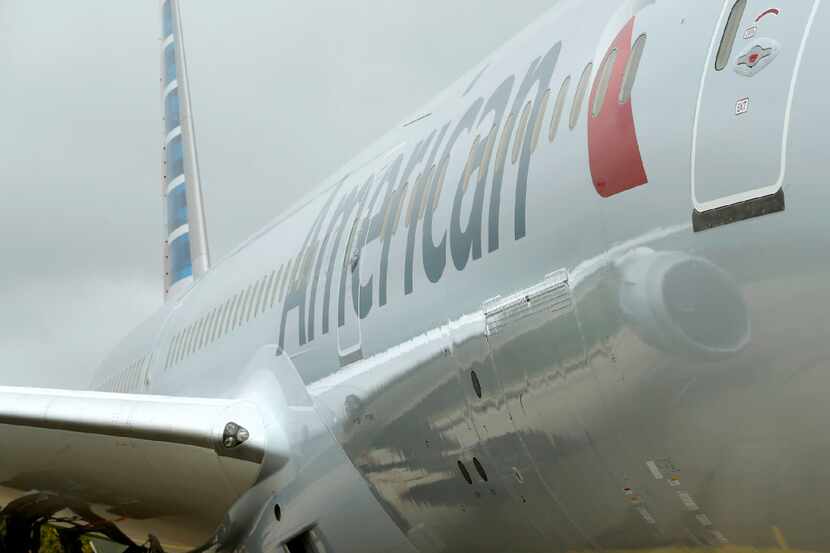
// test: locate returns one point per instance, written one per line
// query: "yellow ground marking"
(779, 537)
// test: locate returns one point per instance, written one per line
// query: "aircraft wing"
(124, 456)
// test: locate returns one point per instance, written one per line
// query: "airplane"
(575, 303)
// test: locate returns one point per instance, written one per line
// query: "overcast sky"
(283, 93)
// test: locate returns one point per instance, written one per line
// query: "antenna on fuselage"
(186, 254)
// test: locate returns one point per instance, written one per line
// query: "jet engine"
(683, 304)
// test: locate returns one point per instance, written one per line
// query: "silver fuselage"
(641, 380)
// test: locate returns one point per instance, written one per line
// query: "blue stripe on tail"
(180, 257)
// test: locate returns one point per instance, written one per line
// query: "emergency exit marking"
(742, 106)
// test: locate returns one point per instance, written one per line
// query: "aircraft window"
(579, 95)
(234, 317)
(249, 300)
(200, 342)
(468, 167)
(413, 193)
(170, 349)
(214, 330)
(258, 298)
(604, 73)
(416, 198)
(631, 68)
(275, 286)
(398, 215)
(439, 182)
(260, 293)
(426, 187)
(488, 150)
(253, 301)
(178, 350)
(145, 375)
(176, 208)
(203, 332)
(240, 308)
(285, 279)
(308, 260)
(558, 107)
(298, 269)
(348, 253)
(388, 209)
(217, 322)
(200, 327)
(231, 311)
(391, 211)
(237, 309)
(266, 291)
(537, 123)
(183, 344)
(191, 340)
(501, 156)
(229, 315)
(730, 32)
(223, 312)
(520, 132)
(194, 343)
(243, 310)
(176, 341)
(210, 325)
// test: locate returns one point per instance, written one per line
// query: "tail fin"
(186, 255)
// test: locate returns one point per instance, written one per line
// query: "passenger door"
(742, 116)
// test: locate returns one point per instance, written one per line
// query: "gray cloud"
(283, 93)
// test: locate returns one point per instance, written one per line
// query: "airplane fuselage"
(576, 302)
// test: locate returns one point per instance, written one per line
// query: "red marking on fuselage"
(771, 11)
(613, 150)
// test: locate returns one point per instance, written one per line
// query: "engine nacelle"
(683, 304)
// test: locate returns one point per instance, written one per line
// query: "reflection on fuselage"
(515, 406)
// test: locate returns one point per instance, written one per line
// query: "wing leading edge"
(134, 457)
